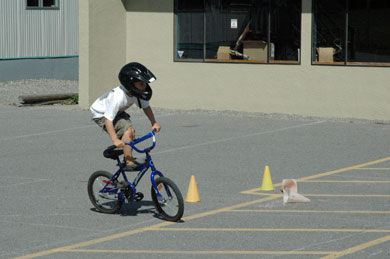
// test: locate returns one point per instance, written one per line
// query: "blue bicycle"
(107, 192)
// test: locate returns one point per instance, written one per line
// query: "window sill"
(42, 8)
(367, 64)
(371, 64)
(252, 61)
(284, 62)
(328, 63)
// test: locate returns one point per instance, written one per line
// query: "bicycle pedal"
(138, 196)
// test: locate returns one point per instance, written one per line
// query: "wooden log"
(36, 99)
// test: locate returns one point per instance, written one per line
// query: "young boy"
(108, 111)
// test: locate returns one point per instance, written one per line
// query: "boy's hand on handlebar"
(156, 127)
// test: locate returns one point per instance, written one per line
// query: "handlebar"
(138, 140)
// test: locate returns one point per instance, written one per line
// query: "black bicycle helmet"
(134, 72)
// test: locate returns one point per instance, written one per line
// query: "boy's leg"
(128, 136)
(126, 133)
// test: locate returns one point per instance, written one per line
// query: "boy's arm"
(111, 131)
(149, 113)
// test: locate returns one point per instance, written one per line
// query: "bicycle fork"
(160, 186)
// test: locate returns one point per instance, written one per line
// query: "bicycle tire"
(171, 208)
(108, 204)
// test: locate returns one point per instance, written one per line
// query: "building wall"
(329, 91)
(26, 33)
(38, 44)
(102, 32)
(53, 68)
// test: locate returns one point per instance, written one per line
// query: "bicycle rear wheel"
(106, 201)
(171, 206)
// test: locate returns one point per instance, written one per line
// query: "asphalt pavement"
(343, 166)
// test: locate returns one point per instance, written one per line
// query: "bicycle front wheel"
(104, 201)
(171, 205)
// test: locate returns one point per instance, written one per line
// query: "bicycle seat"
(112, 153)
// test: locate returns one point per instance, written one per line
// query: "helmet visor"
(145, 76)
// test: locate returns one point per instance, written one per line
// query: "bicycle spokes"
(167, 199)
(103, 193)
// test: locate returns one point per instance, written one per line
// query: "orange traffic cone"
(192, 194)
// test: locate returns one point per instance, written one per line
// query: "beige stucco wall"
(102, 34)
(329, 91)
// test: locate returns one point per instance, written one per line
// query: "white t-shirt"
(109, 104)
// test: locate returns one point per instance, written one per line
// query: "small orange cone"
(192, 194)
(267, 181)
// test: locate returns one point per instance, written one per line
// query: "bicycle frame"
(142, 170)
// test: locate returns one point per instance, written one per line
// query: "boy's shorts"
(121, 123)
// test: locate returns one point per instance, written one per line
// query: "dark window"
(189, 29)
(285, 30)
(238, 30)
(49, 3)
(32, 3)
(329, 31)
(42, 4)
(351, 32)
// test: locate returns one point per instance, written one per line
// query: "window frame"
(268, 60)
(41, 7)
(345, 45)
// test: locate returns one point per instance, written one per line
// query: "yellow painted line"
(346, 169)
(140, 230)
(332, 195)
(343, 181)
(359, 247)
(273, 197)
(371, 168)
(254, 191)
(274, 230)
(201, 252)
(87, 243)
(349, 195)
(258, 191)
(315, 211)
(251, 191)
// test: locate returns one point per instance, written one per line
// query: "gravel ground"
(11, 90)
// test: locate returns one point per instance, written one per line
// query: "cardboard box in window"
(325, 54)
(223, 52)
(255, 49)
